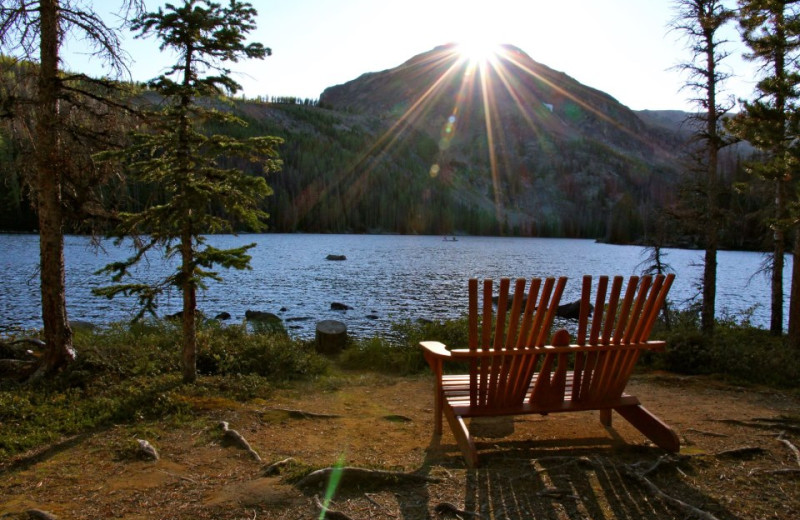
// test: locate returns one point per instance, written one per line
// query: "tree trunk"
(57, 333)
(794, 300)
(709, 290)
(779, 248)
(713, 144)
(189, 306)
(708, 311)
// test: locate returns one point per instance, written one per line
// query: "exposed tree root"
(740, 453)
(236, 438)
(17, 369)
(361, 476)
(446, 509)
(329, 513)
(664, 459)
(276, 467)
(302, 414)
(565, 461)
(706, 433)
(30, 514)
(381, 506)
(552, 492)
(766, 423)
(20, 358)
(781, 471)
(640, 477)
(145, 450)
(21, 348)
(792, 447)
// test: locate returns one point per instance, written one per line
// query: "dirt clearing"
(739, 459)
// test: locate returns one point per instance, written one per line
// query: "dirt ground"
(739, 459)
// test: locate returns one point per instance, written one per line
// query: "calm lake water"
(385, 278)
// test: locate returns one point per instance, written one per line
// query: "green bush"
(231, 350)
(399, 352)
(737, 351)
(382, 355)
(688, 352)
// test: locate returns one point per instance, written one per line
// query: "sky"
(622, 47)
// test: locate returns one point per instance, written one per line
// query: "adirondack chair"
(512, 371)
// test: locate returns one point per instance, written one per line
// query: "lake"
(384, 278)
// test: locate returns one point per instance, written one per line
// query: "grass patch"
(130, 373)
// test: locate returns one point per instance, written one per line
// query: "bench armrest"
(435, 348)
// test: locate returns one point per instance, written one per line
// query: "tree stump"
(331, 336)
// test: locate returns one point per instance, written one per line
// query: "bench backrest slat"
(520, 322)
(625, 320)
(512, 329)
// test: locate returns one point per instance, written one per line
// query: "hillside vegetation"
(420, 149)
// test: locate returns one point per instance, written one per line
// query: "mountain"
(542, 152)
(673, 121)
(443, 145)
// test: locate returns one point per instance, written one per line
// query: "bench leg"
(651, 426)
(461, 433)
(437, 412)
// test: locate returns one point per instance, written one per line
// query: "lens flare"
(478, 50)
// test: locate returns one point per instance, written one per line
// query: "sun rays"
(478, 50)
(474, 90)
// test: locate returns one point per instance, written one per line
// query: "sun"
(478, 49)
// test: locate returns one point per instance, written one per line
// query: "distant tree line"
(336, 178)
(284, 100)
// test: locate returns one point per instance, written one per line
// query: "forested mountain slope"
(444, 145)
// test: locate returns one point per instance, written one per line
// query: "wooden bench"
(512, 371)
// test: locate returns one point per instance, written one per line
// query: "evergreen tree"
(771, 29)
(177, 156)
(35, 31)
(700, 21)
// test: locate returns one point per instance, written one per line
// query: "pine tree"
(701, 21)
(35, 31)
(201, 196)
(771, 29)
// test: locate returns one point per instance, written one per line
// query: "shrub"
(399, 353)
(743, 353)
(737, 351)
(231, 350)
